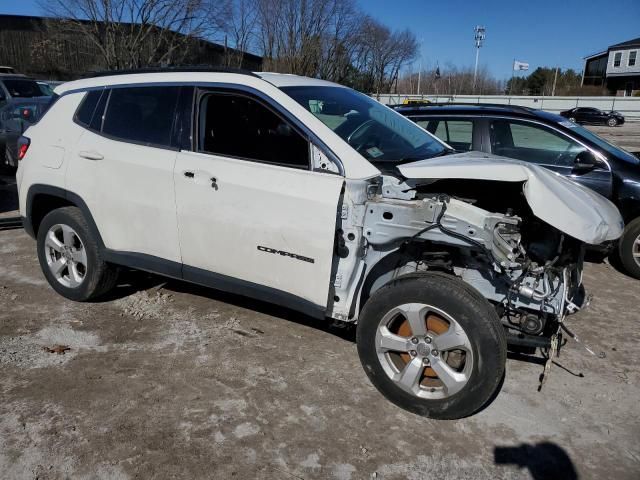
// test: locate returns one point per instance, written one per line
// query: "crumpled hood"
(562, 203)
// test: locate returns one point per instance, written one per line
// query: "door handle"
(189, 174)
(90, 155)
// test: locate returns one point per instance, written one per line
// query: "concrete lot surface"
(167, 380)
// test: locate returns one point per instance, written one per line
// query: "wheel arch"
(43, 199)
(384, 271)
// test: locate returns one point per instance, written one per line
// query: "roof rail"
(465, 104)
(191, 68)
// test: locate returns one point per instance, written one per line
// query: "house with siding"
(617, 69)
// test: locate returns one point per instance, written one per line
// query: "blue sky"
(540, 32)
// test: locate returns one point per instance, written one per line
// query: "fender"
(69, 197)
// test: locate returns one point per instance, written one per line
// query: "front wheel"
(629, 248)
(612, 122)
(432, 345)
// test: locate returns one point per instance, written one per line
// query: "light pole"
(479, 38)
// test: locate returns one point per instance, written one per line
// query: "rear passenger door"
(123, 169)
(457, 132)
(254, 218)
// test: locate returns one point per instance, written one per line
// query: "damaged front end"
(525, 259)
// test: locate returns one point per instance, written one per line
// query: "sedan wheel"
(629, 248)
(572, 119)
(612, 122)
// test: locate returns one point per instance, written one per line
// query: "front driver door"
(253, 218)
(539, 144)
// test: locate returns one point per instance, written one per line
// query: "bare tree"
(239, 25)
(136, 33)
(380, 53)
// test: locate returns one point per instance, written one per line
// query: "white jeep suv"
(313, 196)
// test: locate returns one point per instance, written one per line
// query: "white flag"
(520, 65)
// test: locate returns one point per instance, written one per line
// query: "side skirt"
(214, 280)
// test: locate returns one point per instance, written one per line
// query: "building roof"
(594, 55)
(628, 44)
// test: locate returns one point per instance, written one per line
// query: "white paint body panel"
(571, 208)
(45, 159)
(129, 193)
(255, 204)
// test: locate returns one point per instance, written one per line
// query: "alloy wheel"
(66, 255)
(424, 351)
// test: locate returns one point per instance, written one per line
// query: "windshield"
(373, 130)
(23, 88)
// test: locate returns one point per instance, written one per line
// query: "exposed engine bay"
(527, 269)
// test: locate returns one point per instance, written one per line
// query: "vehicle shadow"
(133, 281)
(544, 460)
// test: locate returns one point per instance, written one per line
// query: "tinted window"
(532, 143)
(23, 88)
(87, 107)
(239, 126)
(141, 115)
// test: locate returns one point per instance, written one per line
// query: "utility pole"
(420, 70)
(555, 79)
(479, 38)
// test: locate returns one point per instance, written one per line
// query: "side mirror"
(585, 162)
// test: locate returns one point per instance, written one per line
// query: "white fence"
(627, 106)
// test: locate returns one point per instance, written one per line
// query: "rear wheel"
(572, 119)
(629, 248)
(432, 345)
(612, 122)
(70, 257)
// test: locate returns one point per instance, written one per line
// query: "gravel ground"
(169, 380)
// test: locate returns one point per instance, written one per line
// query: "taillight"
(23, 146)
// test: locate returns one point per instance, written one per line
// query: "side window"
(460, 134)
(457, 133)
(532, 143)
(239, 126)
(141, 114)
(87, 107)
(632, 58)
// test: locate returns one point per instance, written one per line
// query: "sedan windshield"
(373, 130)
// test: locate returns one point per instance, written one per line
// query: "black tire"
(99, 276)
(471, 311)
(612, 122)
(572, 119)
(628, 246)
